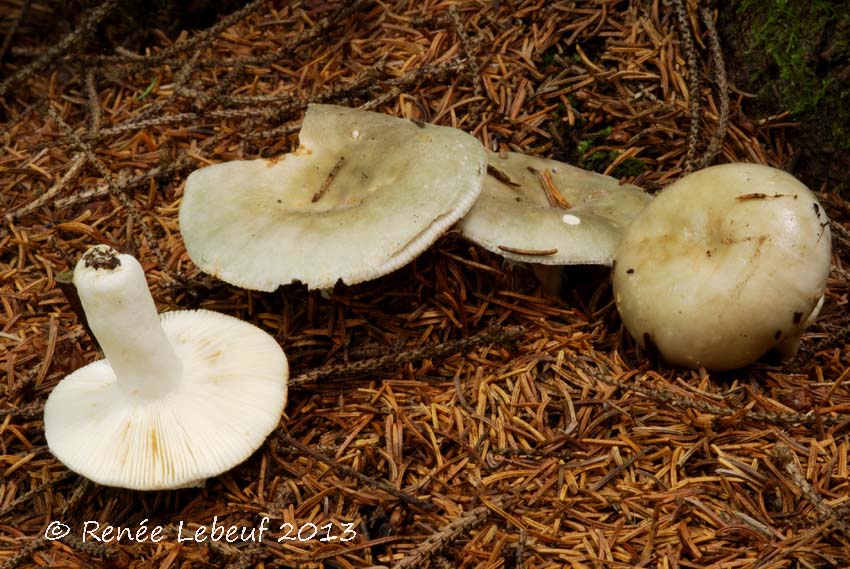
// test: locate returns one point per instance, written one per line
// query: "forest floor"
(448, 414)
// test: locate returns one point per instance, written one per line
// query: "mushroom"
(363, 195)
(724, 264)
(549, 214)
(179, 398)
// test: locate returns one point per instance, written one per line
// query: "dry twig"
(492, 335)
(445, 536)
(719, 136)
(86, 27)
(687, 39)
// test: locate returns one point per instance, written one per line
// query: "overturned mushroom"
(549, 214)
(363, 195)
(178, 399)
(723, 265)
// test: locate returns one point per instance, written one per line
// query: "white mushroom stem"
(123, 318)
(551, 277)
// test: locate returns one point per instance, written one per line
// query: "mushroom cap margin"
(400, 185)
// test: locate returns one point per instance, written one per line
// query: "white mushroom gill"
(180, 397)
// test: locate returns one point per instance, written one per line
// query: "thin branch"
(687, 40)
(95, 110)
(41, 541)
(471, 67)
(122, 198)
(220, 92)
(493, 334)
(27, 412)
(448, 534)
(348, 471)
(77, 163)
(784, 456)
(87, 26)
(674, 401)
(26, 496)
(13, 29)
(716, 143)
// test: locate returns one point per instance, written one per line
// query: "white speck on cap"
(513, 211)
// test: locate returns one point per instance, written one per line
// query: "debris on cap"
(543, 211)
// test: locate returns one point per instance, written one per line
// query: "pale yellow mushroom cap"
(723, 265)
(543, 211)
(363, 195)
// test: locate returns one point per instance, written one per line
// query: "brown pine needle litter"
(446, 415)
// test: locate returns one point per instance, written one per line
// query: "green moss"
(803, 42)
(598, 160)
(592, 140)
(629, 168)
(601, 159)
(549, 55)
(559, 111)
